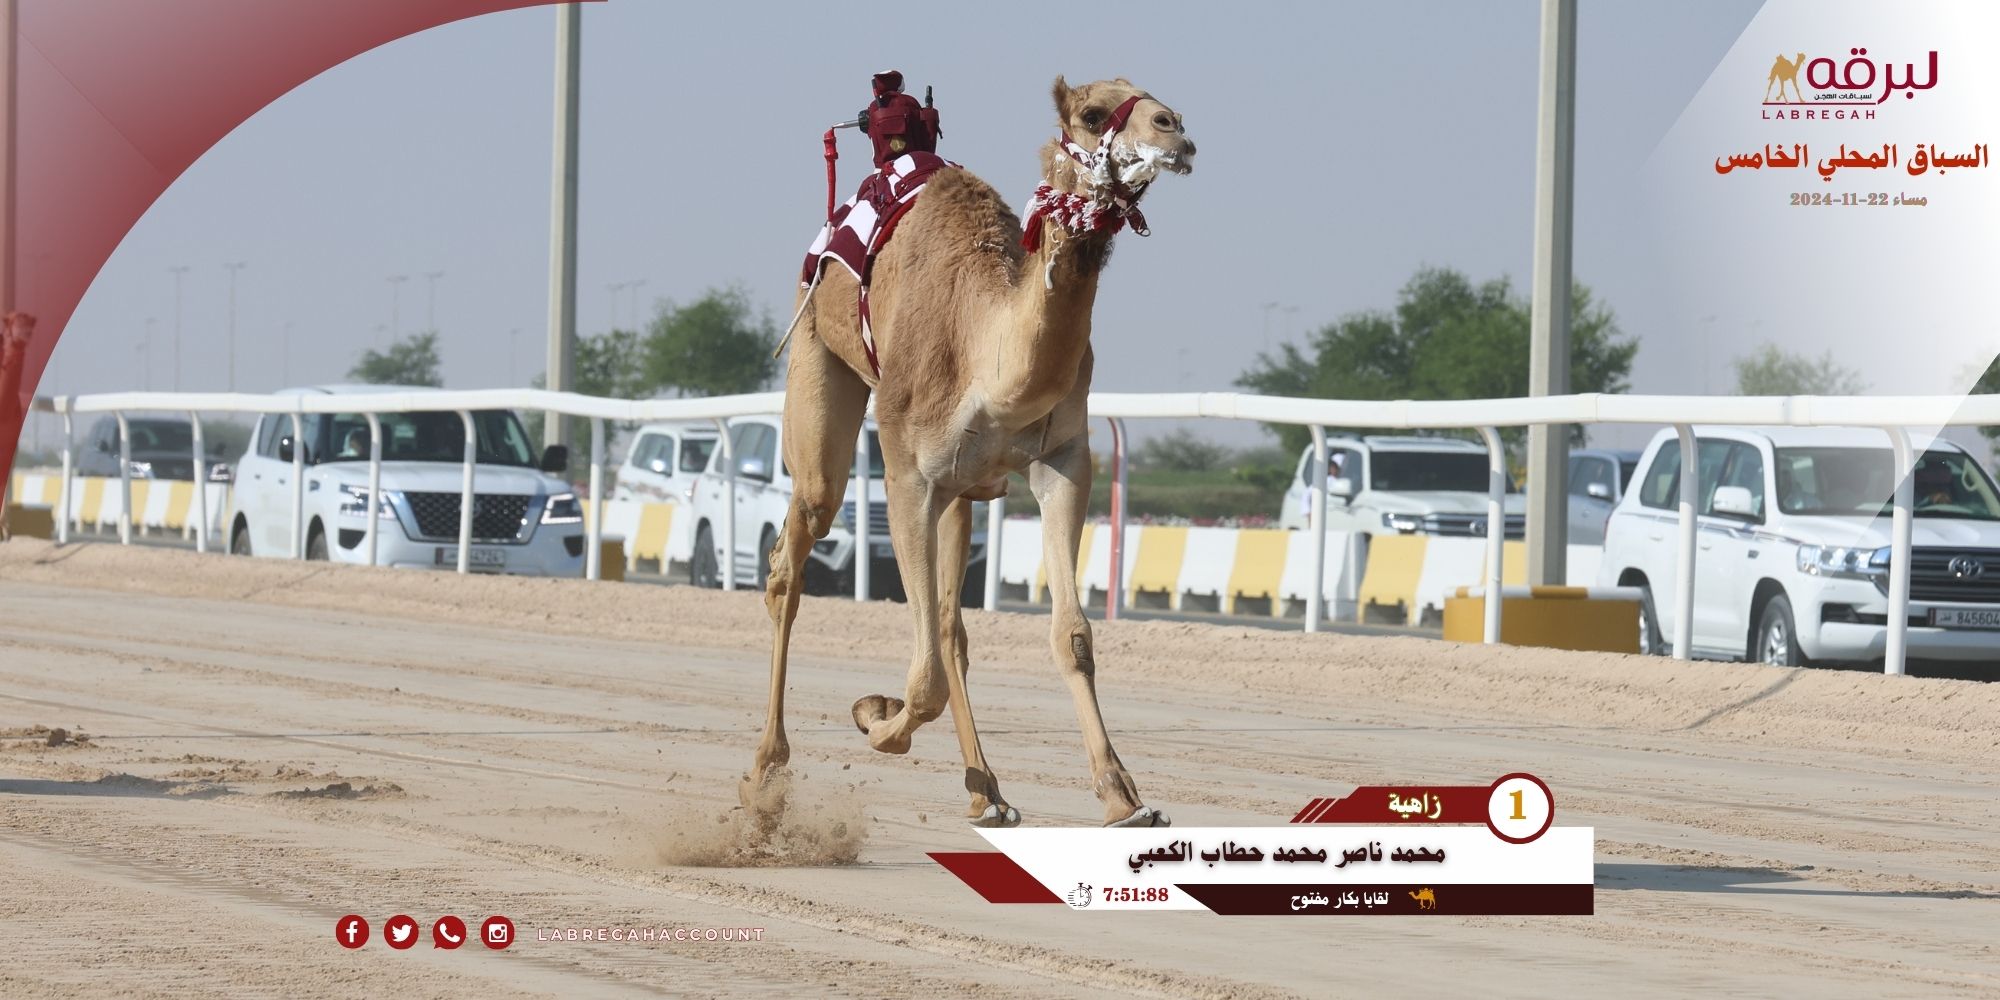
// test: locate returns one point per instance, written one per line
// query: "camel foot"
(1144, 816)
(872, 715)
(999, 815)
(763, 794)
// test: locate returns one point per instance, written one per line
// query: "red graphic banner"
(114, 101)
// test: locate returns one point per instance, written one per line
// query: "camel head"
(1152, 139)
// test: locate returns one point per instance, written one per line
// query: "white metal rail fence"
(1893, 415)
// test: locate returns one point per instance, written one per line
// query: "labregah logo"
(1859, 80)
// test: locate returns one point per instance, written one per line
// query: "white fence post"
(1684, 554)
(1114, 595)
(466, 498)
(1894, 653)
(200, 485)
(124, 480)
(996, 526)
(1496, 531)
(375, 503)
(864, 517)
(728, 506)
(68, 471)
(1315, 599)
(593, 557)
(298, 484)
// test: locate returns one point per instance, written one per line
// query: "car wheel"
(239, 541)
(316, 546)
(701, 567)
(1778, 635)
(765, 546)
(1650, 642)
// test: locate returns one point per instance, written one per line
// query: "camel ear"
(1061, 93)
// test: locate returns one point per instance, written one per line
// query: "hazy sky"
(1342, 146)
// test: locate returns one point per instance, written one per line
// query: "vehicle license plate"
(479, 558)
(1966, 617)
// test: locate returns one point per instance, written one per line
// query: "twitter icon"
(400, 931)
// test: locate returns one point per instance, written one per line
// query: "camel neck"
(1048, 333)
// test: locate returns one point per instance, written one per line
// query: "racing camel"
(981, 327)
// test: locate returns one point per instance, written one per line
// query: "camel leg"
(914, 506)
(954, 548)
(1061, 483)
(824, 404)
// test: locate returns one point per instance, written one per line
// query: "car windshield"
(425, 437)
(694, 453)
(161, 435)
(1625, 471)
(1416, 471)
(1863, 481)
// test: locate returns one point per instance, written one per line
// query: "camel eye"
(1093, 118)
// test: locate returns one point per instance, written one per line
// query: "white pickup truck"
(1400, 486)
(764, 493)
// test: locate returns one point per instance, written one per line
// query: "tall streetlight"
(431, 300)
(636, 285)
(1549, 304)
(178, 270)
(396, 304)
(614, 288)
(562, 214)
(232, 267)
(148, 342)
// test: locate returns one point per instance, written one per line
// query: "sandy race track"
(267, 746)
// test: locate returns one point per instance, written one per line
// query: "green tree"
(1182, 451)
(1447, 338)
(412, 360)
(713, 346)
(610, 364)
(1768, 371)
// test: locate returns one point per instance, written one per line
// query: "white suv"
(1400, 486)
(663, 463)
(1793, 557)
(524, 519)
(764, 493)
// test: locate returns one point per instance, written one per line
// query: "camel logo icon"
(1079, 897)
(1785, 71)
(1426, 899)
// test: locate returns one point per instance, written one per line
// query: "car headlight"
(354, 503)
(1408, 524)
(139, 470)
(1836, 560)
(563, 508)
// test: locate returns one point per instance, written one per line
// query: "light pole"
(396, 305)
(562, 214)
(146, 348)
(636, 285)
(1549, 304)
(431, 302)
(611, 320)
(232, 268)
(178, 270)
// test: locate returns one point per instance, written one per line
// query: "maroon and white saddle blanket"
(862, 227)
